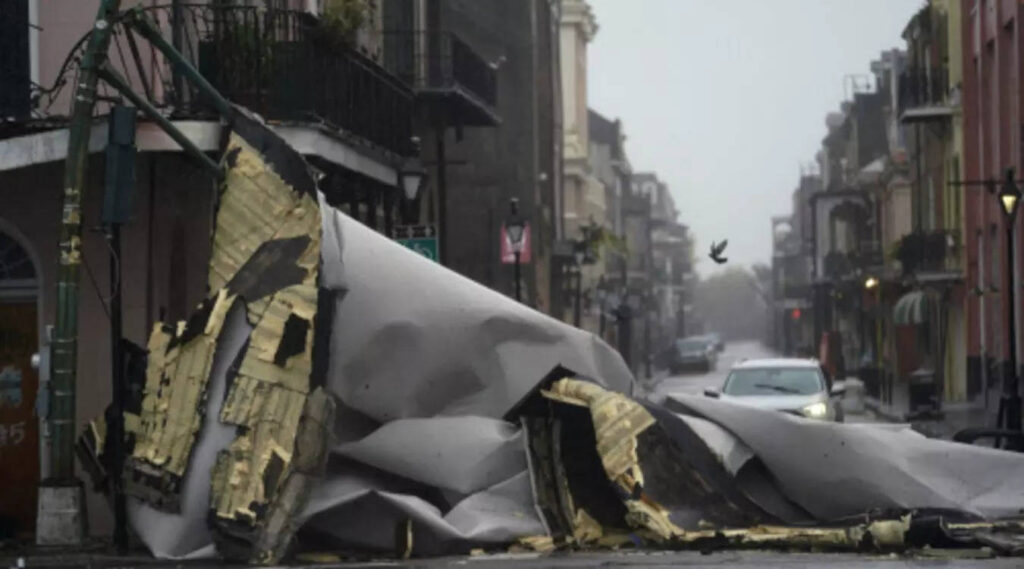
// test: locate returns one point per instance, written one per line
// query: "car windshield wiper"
(781, 388)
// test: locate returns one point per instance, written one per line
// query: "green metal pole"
(139, 22)
(65, 341)
(116, 81)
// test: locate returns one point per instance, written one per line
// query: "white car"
(790, 385)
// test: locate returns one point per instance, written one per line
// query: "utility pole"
(61, 514)
(117, 210)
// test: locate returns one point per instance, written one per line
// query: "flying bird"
(716, 251)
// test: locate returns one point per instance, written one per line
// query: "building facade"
(991, 111)
(338, 92)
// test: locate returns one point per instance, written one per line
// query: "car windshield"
(691, 345)
(773, 381)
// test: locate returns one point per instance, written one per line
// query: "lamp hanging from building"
(1009, 195)
(412, 175)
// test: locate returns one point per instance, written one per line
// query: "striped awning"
(915, 307)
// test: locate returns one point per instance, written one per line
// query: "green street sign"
(420, 238)
(426, 246)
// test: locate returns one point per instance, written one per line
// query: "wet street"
(694, 383)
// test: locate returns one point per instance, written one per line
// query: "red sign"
(507, 256)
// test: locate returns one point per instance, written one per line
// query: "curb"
(878, 409)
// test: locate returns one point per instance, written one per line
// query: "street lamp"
(600, 295)
(872, 284)
(579, 255)
(1009, 196)
(515, 229)
(411, 178)
(1009, 415)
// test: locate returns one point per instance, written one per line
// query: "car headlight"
(815, 410)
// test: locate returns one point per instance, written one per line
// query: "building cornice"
(578, 13)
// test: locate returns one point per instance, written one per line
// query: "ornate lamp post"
(515, 228)
(1010, 405)
(579, 255)
(411, 179)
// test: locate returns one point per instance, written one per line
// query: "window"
(15, 264)
(690, 346)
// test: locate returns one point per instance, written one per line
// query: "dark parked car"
(696, 353)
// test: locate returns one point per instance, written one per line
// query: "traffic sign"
(420, 238)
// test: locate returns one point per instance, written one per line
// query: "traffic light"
(795, 314)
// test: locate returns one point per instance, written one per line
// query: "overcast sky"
(725, 99)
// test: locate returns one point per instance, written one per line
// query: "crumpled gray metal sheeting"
(355, 510)
(425, 363)
(437, 360)
(437, 452)
(839, 470)
(414, 339)
(478, 462)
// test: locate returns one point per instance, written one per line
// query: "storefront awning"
(914, 307)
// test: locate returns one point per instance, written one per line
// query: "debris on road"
(337, 392)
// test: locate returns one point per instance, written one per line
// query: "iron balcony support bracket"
(111, 76)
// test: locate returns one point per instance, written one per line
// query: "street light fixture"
(579, 255)
(870, 283)
(1009, 415)
(515, 229)
(1009, 196)
(411, 177)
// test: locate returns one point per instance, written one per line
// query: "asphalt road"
(693, 559)
(694, 383)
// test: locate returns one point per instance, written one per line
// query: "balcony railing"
(286, 65)
(923, 89)
(842, 265)
(441, 63)
(795, 290)
(933, 251)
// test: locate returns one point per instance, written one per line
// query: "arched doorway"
(19, 382)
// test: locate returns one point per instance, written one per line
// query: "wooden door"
(19, 426)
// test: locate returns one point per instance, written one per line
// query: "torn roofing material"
(876, 468)
(266, 257)
(414, 339)
(340, 387)
(371, 326)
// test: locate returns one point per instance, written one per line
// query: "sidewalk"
(953, 417)
(956, 417)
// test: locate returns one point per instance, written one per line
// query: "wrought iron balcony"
(796, 290)
(924, 94)
(446, 73)
(286, 65)
(844, 265)
(929, 252)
